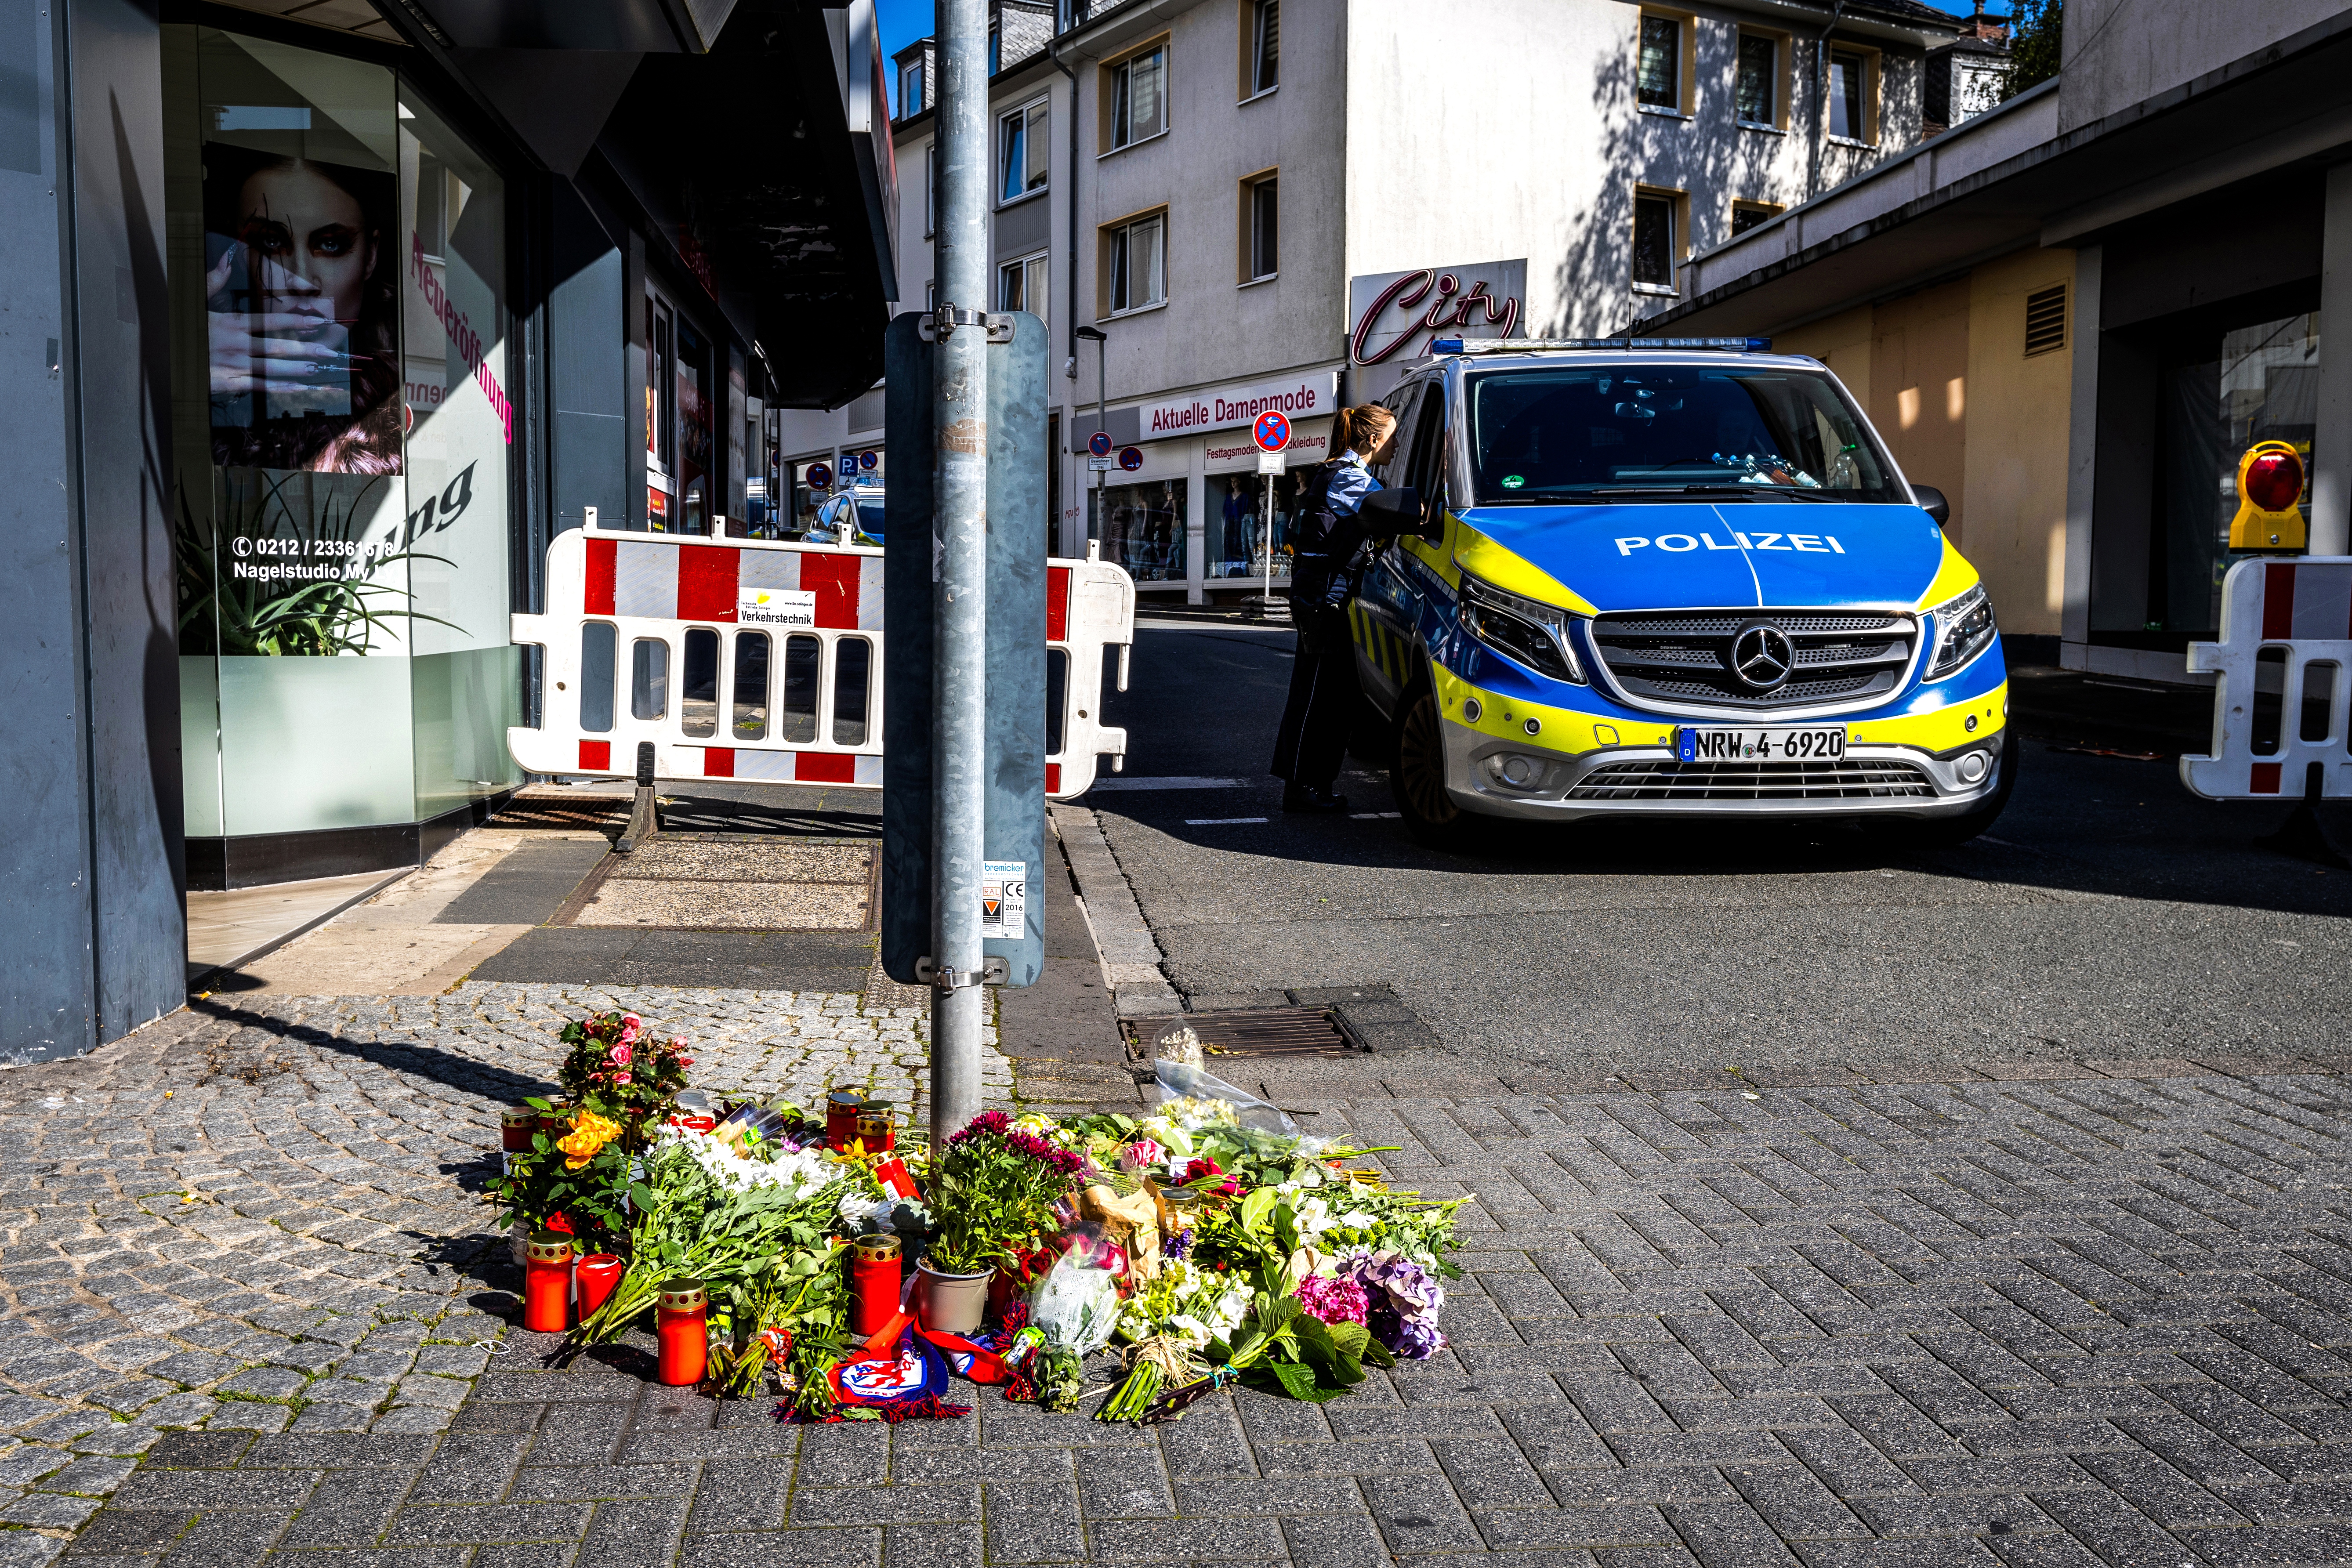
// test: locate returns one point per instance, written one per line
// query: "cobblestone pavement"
(2071, 1320)
(264, 1215)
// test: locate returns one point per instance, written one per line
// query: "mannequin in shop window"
(1332, 552)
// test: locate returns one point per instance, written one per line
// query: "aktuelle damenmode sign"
(1296, 397)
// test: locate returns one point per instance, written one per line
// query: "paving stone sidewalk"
(265, 1215)
(2076, 1321)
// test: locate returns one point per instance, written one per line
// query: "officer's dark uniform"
(1332, 552)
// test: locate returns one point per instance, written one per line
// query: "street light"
(1102, 420)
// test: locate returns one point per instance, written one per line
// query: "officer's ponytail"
(1360, 429)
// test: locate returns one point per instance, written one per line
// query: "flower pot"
(952, 1303)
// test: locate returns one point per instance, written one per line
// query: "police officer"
(1331, 552)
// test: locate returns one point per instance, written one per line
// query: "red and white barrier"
(761, 661)
(2303, 609)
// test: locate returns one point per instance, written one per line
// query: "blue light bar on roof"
(1537, 345)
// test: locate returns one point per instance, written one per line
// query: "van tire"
(1417, 775)
(1949, 832)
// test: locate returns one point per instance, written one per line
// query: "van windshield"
(1618, 433)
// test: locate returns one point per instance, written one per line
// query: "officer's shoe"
(1310, 797)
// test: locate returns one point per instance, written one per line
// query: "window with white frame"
(931, 188)
(1021, 285)
(1756, 82)
(1265, 47)
(911, 89)
(1849, 104)
(1138, 97)
(1021, 143)
(1658, 68)
(1134, 263)
(1263, 250)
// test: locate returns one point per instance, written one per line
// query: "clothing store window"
(1236, 524)
(343, 432)
(1141, 528)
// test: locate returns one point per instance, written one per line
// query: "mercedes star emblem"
(1762, 656)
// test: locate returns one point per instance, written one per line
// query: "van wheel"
(1946, 832)
(1417, 778)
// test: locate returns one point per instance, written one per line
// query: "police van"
(1669, 577)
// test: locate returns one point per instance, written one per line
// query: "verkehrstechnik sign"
(1391, 316)
(1294, 397)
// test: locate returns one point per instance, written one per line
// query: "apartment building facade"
(1275, 204)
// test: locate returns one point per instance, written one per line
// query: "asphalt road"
(2109, 913)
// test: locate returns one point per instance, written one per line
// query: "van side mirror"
(1932, 503)
(1398, 511)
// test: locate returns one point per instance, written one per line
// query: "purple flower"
(1405, 1337)
(1332, 1301)
(1174, 1248)
(1404, 1287)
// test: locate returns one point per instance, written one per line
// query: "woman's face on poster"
(309, 249)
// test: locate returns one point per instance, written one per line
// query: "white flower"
(1355, 1219)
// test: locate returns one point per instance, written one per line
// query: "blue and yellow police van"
(1669, 578)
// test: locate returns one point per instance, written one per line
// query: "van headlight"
(1964, 629)
(1521, 630)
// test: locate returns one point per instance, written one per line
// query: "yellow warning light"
(2270, 482)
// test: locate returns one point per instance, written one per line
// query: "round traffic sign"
(819, 475)
(1131, 458)
(1099, 443)
(868, 461)
(1273, 432)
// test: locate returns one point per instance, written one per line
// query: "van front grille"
(1682, 659)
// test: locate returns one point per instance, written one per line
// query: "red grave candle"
(681, 1323)
(841, 1108)
(600, 1272)
(547, 1283)
(875, 1278)
(515, 1129)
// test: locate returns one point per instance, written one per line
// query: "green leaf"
(1350, 1338)
(1254, 1209)
(1376, 1352)
(1296, 1380)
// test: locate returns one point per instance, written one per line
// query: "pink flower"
(620, 1078)
(621, 1055)
(1333, 1300)
(631, 1027)
(1142, 1154)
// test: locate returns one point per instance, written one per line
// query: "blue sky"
(903, 21)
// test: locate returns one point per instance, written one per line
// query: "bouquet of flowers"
(616, 1066)
(571, 1180)
(992, 1190)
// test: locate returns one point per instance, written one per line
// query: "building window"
(1658, 79)
(931, 188)
(1021, 142)
(2045, 321)
(1265, 71)
(911, 89)
(1138, 98)
(1849, 80)
(1261, 253)
(1654, 240)
(1755, 88)
(1745, 216)
(1021, 285)
(1133, 257)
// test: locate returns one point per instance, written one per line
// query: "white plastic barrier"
(743, 658)
(2303, 609)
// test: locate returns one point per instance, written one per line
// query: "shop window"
(344, 436)
(649, 679)
(1756, 82)
(1655, 240)
(1239, 534)
(1261, 250)
(1133, 263)
(1262, 32)
(1658, 68)
(597, 640)
(748, 715)
(1745, 216)
(1142, 527)
(1022, 147)
(804, 656)
(1137, 97)
(853, 682)
(699, 684)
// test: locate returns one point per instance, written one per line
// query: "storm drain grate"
(1271, 1032)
